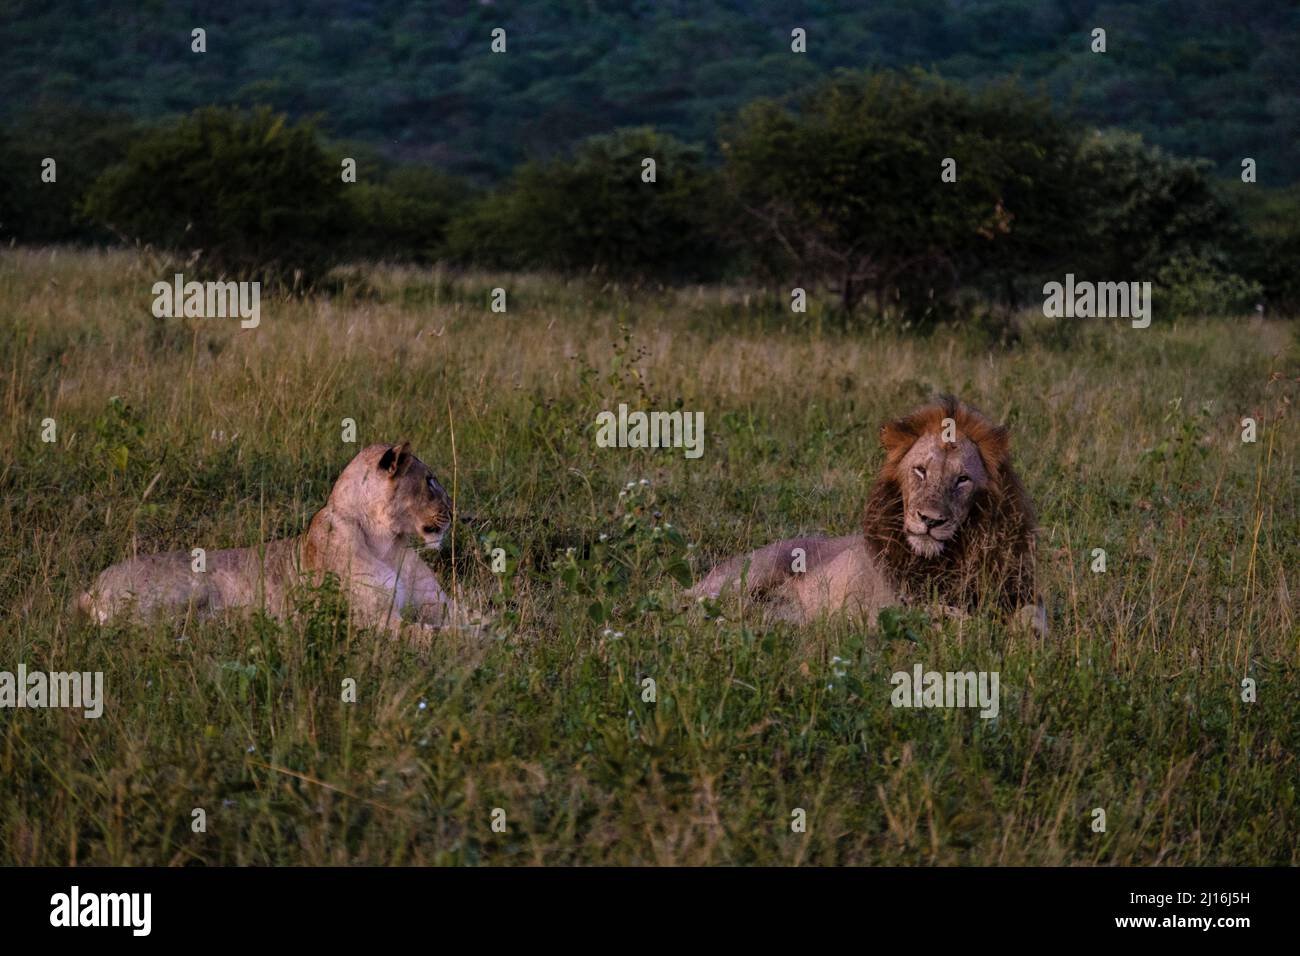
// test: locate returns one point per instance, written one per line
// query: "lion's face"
(939, 481)
(951, 519)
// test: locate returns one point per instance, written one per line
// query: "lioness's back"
(232, 577)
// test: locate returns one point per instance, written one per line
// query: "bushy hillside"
(1197, 77)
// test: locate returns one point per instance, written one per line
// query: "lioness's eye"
(963, 479)
(920, 472)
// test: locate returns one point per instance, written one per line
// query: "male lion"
(947, 522)
(384, 496)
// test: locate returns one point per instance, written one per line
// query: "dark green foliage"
(1159, 217)
(1146, 207)
(82, 143)
(1197, 77)
(846, 187)
(247, 195)
(594, 212)
(838, 189)
(404, 215)
(1270, 253)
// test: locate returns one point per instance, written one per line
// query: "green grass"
(1128, 440)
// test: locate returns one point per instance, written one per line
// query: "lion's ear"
(995, 448)
(395, 458)
(897, 437)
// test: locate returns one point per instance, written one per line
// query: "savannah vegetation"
(175, 433)
(902, 195)
(774, 171)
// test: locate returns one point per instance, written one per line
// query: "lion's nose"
(931, 522)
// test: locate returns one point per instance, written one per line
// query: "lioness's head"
(942, 457)
(396, 493)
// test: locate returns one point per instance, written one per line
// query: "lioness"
(384, 497)
(947, 521)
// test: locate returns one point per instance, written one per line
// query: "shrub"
(404, 215)
(1202, 285)
(1146, 208)
(593, 212)
(246, 195)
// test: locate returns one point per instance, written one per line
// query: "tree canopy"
(417, 78)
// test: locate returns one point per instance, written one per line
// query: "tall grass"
(178, 433)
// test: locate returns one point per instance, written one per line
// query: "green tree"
(1160, 218)
(404, 214)
(246, 195)
(845, 188)
(595, 212)
(1146, 207)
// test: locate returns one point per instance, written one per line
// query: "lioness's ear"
(395, 458)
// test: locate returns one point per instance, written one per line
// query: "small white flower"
(644, 482)
(422, 705)
(251, 749)
(604, 537)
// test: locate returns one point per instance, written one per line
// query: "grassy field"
(181, 433)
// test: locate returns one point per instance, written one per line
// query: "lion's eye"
(963, 479)
(920, 472)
